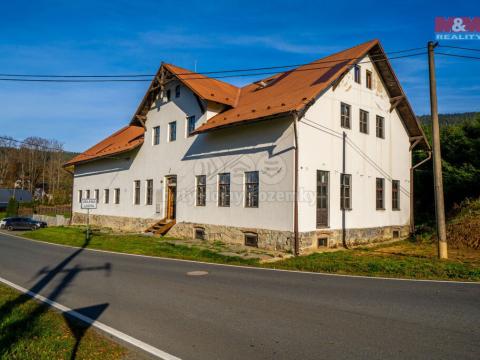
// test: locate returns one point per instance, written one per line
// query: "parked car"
(21, 223)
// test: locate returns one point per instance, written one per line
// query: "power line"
(202, 78)
(459, 56)
(201, 73)
(459, 47)
(49, 148)
(30, 143)
(79, 76)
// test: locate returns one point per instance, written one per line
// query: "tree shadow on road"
(24, 327)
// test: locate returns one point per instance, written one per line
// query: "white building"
(310, 157)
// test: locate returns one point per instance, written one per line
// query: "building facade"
(314, 157)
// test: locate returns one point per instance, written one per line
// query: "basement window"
(199, 233)
(322, 242)
(396, 234)
(251, 239)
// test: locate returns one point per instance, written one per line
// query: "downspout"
(412, 200)
(295, 193)
(344, 163)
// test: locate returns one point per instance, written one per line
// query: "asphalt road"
(239, 313)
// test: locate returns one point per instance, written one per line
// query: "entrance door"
(171, 197)
(322, 199)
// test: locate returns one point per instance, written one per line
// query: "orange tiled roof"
(285, 92)
(205, 87)
(126, 139)
(288, 91)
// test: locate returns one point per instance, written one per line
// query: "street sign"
(89, 203)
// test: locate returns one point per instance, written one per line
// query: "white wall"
(265, 146)
(320, 139)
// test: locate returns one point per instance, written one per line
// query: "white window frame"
(169, 135)
(154, 137)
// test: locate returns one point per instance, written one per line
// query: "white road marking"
(97, 324)
(197, 273)
(249, 267)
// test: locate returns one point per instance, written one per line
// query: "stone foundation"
(309, 241)
(267, 239)
(117, 223)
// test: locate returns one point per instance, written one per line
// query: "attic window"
(263, 83)
(169, 95)
(177, 91)
(358, 74)
(368, 81)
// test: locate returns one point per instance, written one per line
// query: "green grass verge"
(406, 260)
(133, 244)
(30, 330)
(365, 262)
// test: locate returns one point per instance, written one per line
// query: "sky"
(125, 37)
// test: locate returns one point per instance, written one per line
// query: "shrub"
(12, 207)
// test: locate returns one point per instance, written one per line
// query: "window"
(395, 234)
(169, 95)
(395, 194)
(199, 233)
(149, 199)
(364, 121)
(251, 239)
(345, 191)
(380, 127)
(190, 125)
(368, 79)
(380, 193)
(322, 242)
(357, 73)
(172, 131)
(117, 195)
(156, 135)
(136, 192)
(201, 190)
(97, 194)
(88, 194)
(177, 91)
(251, 189)
(224, 189)
(345, 115)
(80, 195)
(106, 196)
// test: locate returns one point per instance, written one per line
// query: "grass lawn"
(30, 330)
(133, 244)
(404, 259)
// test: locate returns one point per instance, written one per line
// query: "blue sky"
(118, 37)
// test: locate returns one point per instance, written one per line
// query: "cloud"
(277, 43)
(178, 39)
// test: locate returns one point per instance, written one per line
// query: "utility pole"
(437, 157)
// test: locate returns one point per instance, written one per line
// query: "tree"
(461, 167)
(12, 207)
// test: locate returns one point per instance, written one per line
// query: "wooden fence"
(64, 210)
